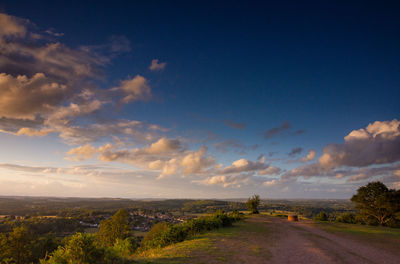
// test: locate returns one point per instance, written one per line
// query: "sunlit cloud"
(310, 156)
(157, 66)
(49, 90)
(134, 89)
(377, 144)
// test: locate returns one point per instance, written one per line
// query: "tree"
(253, 203)
(375, 201)
(117, 227)
(79, 249)
(151, 237)
(322, 216)
(16, 246)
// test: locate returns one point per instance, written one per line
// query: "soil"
(293, 242)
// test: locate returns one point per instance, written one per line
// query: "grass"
(249, 241)
(362, 230)
(378, 236)
(182, 252)
(221, 245)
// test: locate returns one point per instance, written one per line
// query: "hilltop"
(271, 239)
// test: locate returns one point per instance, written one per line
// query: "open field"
(267, 239)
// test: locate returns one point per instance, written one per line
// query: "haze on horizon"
(198, 99)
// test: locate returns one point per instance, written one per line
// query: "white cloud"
(24, 98)
(157, 66)
(81, 153)
(243, 165)
(33, 132)
(270, 183)
(310, 156)
(134, 89)
(11, 26)
(271, 170)
(378, 144)
(197, 161)
(381, 145)
(226, 181)
(164, 145)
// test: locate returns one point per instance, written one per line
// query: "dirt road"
(302, 242)
(266, 239)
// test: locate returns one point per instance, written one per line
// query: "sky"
(199, 99)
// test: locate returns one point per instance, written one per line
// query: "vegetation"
(253, 203)
(216, 246)
(117, 227)
(52, 235)
(322, 216)
(163, 234)
(378, 204)
(348, 218)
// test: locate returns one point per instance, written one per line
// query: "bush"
(348, 218)
(79, 248)
(163, 234)
(253, 203)
(322, 216)
(153, 237)
(125, 247)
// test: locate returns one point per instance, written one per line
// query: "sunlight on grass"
(217, 244)
(361, 229)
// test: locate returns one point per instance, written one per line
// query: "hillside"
(267, 239)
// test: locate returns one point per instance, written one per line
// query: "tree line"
(376, 205)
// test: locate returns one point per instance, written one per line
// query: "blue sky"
(249, 82)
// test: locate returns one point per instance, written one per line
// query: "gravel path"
(301, 242)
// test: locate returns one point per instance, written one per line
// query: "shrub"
(348, 218)
(253, 203)
(322, 216)
(163, 234)
(125, 247)
(79, 248)
(153, 237)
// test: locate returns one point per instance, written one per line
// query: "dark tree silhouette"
(375, 201)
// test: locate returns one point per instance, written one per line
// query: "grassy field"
(216, 246)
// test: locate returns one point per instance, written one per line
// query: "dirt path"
(265, 239)
(301, 242)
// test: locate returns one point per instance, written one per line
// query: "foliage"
(126, 247)
(155, 232)
(253, 203)
(163, 234)
(16, 246)
(115, 228)
(348, 218)
(82, 249)
(377, 204)
(322, 216)
(79, 249)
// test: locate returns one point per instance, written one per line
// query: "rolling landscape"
(197, 132)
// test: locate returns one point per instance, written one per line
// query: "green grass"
(218, 245)
(183, 252)
(378, 236)
(362, 230)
